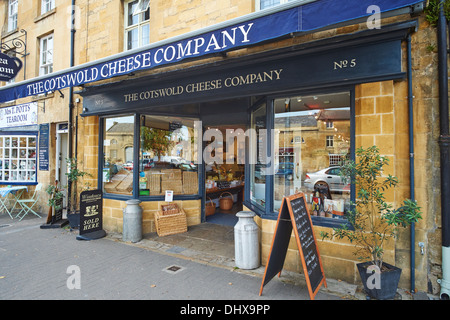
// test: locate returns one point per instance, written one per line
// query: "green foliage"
(432, 11)
(73, 176)
(156, 140)
(55, 195)
(372, 220)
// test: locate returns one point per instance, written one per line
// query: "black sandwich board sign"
(294, 215)
(91, 215)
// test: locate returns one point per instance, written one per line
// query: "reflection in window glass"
(257, 155)
(118, 156)
(166, 156)
(310, 151)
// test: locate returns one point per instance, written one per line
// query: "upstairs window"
(137, 23)
(47, 5)
(264, 4)
(46, 55)
(12, 14)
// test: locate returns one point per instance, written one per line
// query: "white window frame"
(13, 8)
(47, 5)
(47, 67)
(258, 4)
(141, 7)
(329, 142)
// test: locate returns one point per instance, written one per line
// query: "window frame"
(27, 135)
(268, 212)
(258, 4)
(127, 28)
(47, 5)
(136, 149)
(43, 68)
(13, 16)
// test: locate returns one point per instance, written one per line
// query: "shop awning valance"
(255, 28)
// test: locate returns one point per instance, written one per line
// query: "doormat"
(226, 219)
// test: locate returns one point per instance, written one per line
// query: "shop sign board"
(339, 65)
(20, 115)
(232, 35)
(91, 215)
(9, 67)
(44, 140)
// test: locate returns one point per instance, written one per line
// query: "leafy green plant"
(73, 176)
(371, 220)
(55, 195)
(432, 11)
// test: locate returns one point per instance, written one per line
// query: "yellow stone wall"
(113, 214)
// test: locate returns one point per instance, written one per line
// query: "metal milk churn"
(132, 221)
(246, 244)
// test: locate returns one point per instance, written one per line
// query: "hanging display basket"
(226, 203)
(210, 207)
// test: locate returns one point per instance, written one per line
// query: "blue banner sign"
(306, 17)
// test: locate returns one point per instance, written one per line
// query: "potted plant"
(372, 221)
(54, 201)
(73, 176)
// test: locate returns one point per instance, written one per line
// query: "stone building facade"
(379, 116)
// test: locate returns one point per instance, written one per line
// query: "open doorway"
(61, 155)
(224, 126)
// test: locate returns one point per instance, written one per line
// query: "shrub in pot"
(372, 221)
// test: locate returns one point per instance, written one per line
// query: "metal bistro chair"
(27, 204)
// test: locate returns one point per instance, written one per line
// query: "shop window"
(166, 156)
(17, 158)
(312, 167)
(118, 164)
(137, 26)
(12, 14)
(46, 55)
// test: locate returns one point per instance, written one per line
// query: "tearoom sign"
(20, 115)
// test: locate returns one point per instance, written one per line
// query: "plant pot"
(74, 220)
(382, 286)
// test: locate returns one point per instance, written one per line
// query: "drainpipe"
(71, 104)
(411, 166)
(444, 143)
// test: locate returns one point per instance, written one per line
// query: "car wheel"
(320, 184)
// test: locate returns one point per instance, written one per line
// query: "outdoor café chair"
(28, 204)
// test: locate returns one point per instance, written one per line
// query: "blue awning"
(255, 28)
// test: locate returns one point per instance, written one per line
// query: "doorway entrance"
(224, 125)
(61, 156)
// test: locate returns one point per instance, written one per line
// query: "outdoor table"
(16, 191)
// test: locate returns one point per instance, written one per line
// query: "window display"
(166, 156)
(17, 158)
(313, 135)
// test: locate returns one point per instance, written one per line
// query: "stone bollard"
(246, 243)
(132, 221)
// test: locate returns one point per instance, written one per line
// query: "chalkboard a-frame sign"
(294, 214)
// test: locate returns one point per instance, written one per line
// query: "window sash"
(137, 27)
(46, 55)
(12, 14)
(47, 5)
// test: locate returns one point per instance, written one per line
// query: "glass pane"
(145, 34)
(167, 156)
(313, 136)
(118, 157)
(133, 38)
(132, 19)
(257, 156)
(268, 3)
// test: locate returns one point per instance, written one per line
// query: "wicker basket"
(210, 207)
(171, 208)
(226, 203)
(170, 224)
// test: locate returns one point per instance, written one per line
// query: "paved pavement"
(40, 264)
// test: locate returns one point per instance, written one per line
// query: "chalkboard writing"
(44, 138)
(294, 215)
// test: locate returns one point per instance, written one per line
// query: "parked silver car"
(327, 177)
